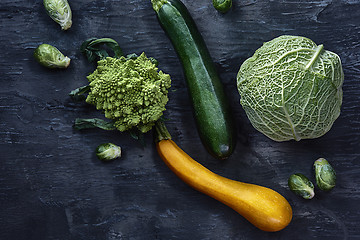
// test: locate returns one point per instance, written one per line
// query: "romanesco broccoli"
(131, 92)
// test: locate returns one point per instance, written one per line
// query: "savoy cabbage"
(291, 88)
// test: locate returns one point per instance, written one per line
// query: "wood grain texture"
(53, 187)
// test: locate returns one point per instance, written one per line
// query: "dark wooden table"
(52, 186)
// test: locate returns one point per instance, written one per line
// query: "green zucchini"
(211, 107)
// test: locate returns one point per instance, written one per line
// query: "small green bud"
(60, 12)
(50, 57)
(325, 175)
(222, 5)
(301, 185)
(108, 151)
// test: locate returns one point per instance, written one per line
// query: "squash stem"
(161, 132)
(157, 4)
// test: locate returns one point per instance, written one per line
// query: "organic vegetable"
(51, 57)
(222, 5)
(291, 88)
(211, 108)
(301, 185)
(129, 90)
(325, 174)
(108, 151)
(263, 207)
(60, 12)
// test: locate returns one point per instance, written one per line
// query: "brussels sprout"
(60, 12)
(222, 5)
(51, 57)
(325, 175)
(108, 151)
(301, 185)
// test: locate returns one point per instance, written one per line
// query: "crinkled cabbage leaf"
(291, 88)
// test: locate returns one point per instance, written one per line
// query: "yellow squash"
(263, 207)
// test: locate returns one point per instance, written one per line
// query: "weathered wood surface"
(53, 187)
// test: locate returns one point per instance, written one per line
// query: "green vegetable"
(291, 88)
(325, 174)
(222, 5)
(51, 57)
(301, 185)
(211, 107)
(60, 12)
(129, 90)
(108, 151)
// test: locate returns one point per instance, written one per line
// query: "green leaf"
(135, 56)
(81, 123)
(91, 48)
(79, 93)
(137, 135)
(132, 56)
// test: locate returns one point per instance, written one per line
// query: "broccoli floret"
(131, 92)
